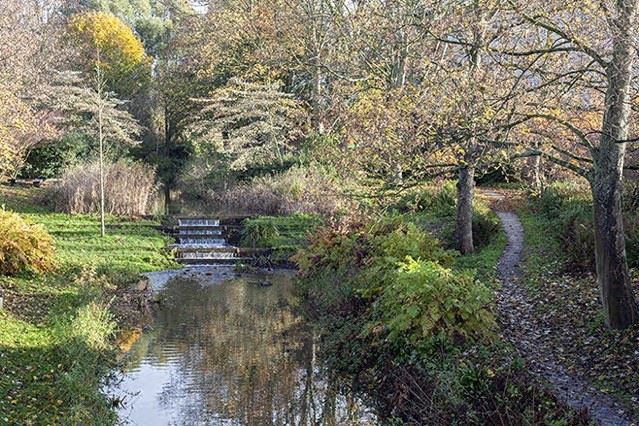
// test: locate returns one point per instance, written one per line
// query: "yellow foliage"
(105, 40)
(24, 245)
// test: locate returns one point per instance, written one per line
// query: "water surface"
(226, 350)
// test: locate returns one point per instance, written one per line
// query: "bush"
(425, 299)
(557, 198)
(438, 204)
(259, 234)
(49, 160)
(359, 260)
(486, 225)
(130, 189)
(440, 200)
(24, 246)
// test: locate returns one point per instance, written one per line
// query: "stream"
(228, 349)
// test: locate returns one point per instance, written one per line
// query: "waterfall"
(198, 222)
(203, 240)
(183, 231)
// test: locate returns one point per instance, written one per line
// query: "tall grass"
(297, 190)
(130, 189)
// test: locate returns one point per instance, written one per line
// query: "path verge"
(519, 326)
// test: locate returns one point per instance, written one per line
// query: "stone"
(142, 285)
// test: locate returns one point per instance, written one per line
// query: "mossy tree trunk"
(606, 178)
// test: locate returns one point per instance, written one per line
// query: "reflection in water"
(230, 353)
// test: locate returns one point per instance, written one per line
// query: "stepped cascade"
(204, 241)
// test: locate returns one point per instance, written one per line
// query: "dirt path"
(522, 330)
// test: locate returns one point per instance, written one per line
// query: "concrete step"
(194, 249)
(214, 260)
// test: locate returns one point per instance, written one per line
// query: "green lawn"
(56, 329)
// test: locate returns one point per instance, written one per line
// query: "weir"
(204, 241)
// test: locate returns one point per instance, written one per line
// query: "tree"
(152, 20)
(27, 39)
(577, 60)
(87, 107)
(255, 126)
(103, 40)
(117, 61)
(469, 99)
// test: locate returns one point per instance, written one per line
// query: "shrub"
(258, 234)
(94, 325)
(425, 299)
(50, 159)
(558, 196)
(439, 205)
(440, 200)
(24, 245)
(358, 260)
(130, 189)
(486, 225)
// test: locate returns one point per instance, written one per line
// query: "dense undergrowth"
(567, 210)
(410, 325)
(56, 328)
(433, 207)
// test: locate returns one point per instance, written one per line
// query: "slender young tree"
(99, 85)
(111, 52)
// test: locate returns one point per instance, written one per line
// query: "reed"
(130, 190)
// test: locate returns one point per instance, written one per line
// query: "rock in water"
(142, 285)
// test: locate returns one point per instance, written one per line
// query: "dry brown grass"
(296, 191)
(130, 190)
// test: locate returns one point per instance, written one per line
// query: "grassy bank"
(281, 236)
(57, 329)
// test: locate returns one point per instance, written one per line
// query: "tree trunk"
(620, 307)
(167, 199)
(466, 183)
(314, 46)
(316, 93)
(101, 170)
(398, 72)
(100, 86)
(168, 175)
(464, 221)
(533, 172)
